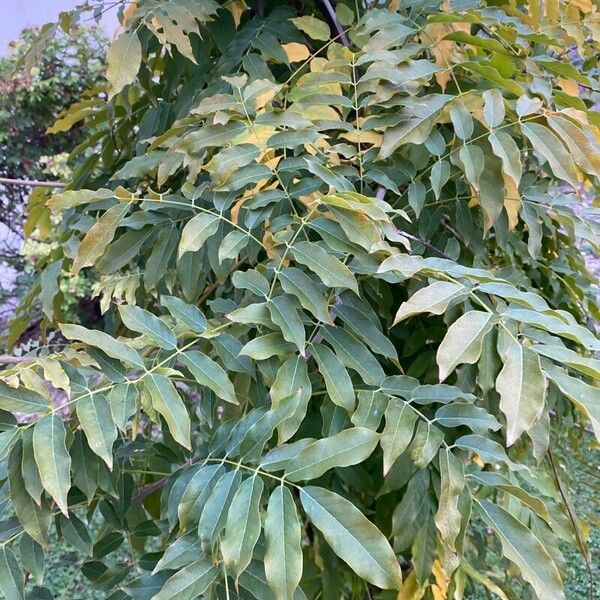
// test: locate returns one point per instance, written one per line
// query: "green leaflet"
(522, 387)
(585, 397)
(338, 382)
(352, 537)
(298, 283)
(195, 495)
(290, 394)
(95, 417)
(124, 58)
(188, 314)
(315, 28)
(354, 354)
(35, 518)
(215, 511)
(196, 231)
(123, 403)
(32, 558)
(11, 577)
(143, 321)
(21, 400)
(189, 582)
(493, 109)
(283, 534)
(432, 299)
(180, 553)
(505, 148)
(103, 341)
(169, 404)
(49, 282)
(525, 550)
(285, 316)
(560, 354)
(243, 525)
(463, 341)
(409, 131)
(265, 346)
(488, 450)
(452, 483)
(400, 421)
(551, 149)
(7, 440)
(331, 271)
(207, 372)
(463, 413)
(348, 447)
(52, 458)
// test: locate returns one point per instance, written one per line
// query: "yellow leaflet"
(512, 201)
(365, 137)
(411, 590)
(237, 8)
(296, 52)
(568, 86)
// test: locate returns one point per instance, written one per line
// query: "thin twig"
(31, 182)
(14, 360)
(213, 286)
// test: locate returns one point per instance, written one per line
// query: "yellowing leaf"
(124, 57)
(296, 52)
(94, 243)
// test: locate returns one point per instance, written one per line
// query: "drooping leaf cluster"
(347, 313)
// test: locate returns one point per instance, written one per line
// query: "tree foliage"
(30, 102)
(347, 318)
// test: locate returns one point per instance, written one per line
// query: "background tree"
(347, 322)
(30, 102)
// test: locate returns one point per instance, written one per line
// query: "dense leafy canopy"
(346, 313)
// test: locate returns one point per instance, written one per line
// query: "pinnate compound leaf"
(521, 546)
(52, 458)
(283, 534)
(352, 537)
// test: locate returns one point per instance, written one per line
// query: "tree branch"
(337, 25)
(31, 183)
